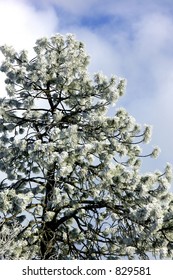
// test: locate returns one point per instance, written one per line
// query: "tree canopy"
(71, 186)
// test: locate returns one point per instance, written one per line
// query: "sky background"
(128, 38)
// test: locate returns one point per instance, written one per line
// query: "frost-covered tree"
(71, 185)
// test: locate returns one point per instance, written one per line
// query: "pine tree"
(70, 173)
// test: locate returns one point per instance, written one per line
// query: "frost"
(71, 186)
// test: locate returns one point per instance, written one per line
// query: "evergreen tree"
(71, 183)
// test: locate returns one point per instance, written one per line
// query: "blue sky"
(128, 38)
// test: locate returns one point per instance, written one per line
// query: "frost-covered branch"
(71, 176)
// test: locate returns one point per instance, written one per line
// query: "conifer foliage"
(70, 180)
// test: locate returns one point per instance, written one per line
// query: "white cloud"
(75, 7)
(132, 10)
(149, 69)
(21, 24)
